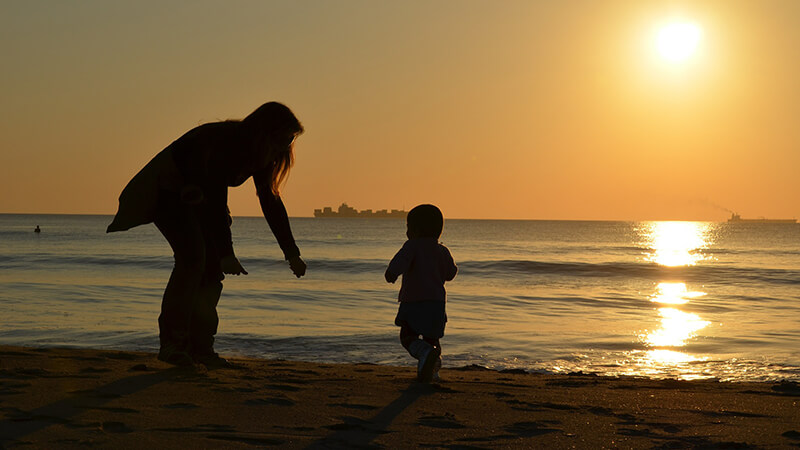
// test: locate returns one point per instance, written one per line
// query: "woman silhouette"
(184, 191)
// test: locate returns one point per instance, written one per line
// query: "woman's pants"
(188, 320)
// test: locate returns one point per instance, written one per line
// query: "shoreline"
(231, 350)
(65, 398)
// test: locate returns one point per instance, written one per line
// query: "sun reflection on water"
(675, 244)
(677, 327)
(672, 244)
(673, 294)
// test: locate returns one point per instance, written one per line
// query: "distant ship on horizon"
(347, 211)
(736, 218)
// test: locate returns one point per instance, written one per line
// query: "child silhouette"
(425, 265)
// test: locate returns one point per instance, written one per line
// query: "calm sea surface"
(654, 299)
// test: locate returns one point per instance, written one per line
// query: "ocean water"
(654, 299)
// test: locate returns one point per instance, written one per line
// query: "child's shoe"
(426, 366)
(427, 359)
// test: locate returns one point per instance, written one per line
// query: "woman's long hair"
(273, 127)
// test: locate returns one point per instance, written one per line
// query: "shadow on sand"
(359, 433)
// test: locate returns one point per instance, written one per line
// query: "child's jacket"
(425, 265)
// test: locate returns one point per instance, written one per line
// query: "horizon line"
(389, 219)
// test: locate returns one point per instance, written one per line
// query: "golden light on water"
(677, 327)
(669, 357)
(675, 244)
(673, 294)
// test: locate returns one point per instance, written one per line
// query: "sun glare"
(673, 294)
(677, 327)
(677, 41)
(675, 244)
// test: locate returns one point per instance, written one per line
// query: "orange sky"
(509, 110)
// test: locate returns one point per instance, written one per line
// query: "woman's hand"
(298, 266)
(231, 266)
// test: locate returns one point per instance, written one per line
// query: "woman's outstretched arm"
(278, 219)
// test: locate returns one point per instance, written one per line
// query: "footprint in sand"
(302, 372)
(353, 406)
(291, 380)
(446, 421)
(794, 435)
(282, 387)
(250, 440)
(445, 390)
(529, 429)
(91, 393)
(355, 423)
(269, 401)
(120, 356)
(791, 388)
(95, 370)
(115, 427)
(520, 405)
(202, 428)
(13, 388)
(35, 373)
(180, 406)
(111, 409)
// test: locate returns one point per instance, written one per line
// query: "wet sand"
(67, 398)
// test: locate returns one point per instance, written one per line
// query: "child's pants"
(408, 335)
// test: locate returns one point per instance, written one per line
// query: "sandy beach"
(68, 398)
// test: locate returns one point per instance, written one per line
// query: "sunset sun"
(678, 41)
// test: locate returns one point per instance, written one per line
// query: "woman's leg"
(204, 319)
(179, 226)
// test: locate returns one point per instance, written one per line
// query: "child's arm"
(399, 264)
(390, 277)
(450, 265)
(453, 271)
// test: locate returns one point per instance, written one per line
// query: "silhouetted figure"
(184, 191)
(37, 229)
(425, 265)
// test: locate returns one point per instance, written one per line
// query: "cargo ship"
(347, 211)
(736, 218)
